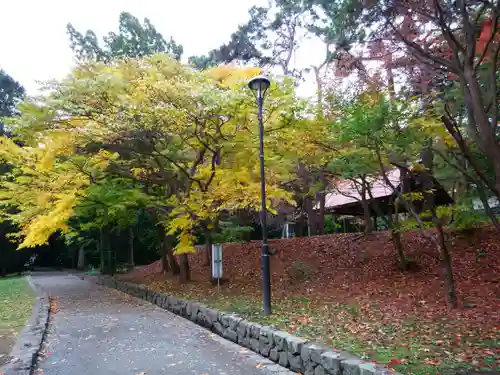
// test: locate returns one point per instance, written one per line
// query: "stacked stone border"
(289, 351)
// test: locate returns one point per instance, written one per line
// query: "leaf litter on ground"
(365, 306)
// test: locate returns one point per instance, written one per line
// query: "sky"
(34, 45)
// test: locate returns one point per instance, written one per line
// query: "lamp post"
(259, 86)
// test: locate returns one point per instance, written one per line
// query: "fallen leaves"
(432, 363)
(53, 304)
(400, 319)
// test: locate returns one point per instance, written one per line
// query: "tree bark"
(321, 198)
(185, 271)
(110, 268)
(392, 223)
(366, 209)
(440, 242)
(207, 253)
(81, 258)
(131, 246)
(102, 252)
(306, 180)
(163, 251)
(168, 261)
(164, 262)
(428, 188)
(311, 216)
(396, 238)
(447, 264)
(172, 262)
(173, 266)
(398, 245)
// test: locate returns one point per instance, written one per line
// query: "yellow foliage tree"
(44, 185)
(192, 135)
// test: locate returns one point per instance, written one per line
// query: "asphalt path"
(102, 331)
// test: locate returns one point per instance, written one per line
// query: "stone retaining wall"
(287, 350)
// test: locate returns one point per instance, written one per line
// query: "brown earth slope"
(347, 290)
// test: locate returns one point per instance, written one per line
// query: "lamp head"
(259, 84)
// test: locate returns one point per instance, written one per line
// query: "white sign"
(288, 230)
(217, 261)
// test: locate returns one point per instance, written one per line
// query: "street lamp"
(259, 86)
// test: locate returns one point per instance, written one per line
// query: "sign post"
(217, 263)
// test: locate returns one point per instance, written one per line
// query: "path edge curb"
(29, 345)
(289, 351)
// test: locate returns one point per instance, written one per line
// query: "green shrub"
(230, 232)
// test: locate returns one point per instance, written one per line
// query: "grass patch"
(16, 304)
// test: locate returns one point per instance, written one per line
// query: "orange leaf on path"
(432, 363)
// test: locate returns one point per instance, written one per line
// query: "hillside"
(347, 290)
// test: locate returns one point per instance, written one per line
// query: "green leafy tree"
(242, 46)
(134, 39)
(441, 49)
(270, 37)
(11, 94)
(110, 204)
(391, 132)
(191, 144)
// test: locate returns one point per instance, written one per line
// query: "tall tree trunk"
(311, 215)
(321, 198)
(110, 263)
(367, 217)
(300, 222)
(173, 266)
(307, 200)
(172, 262)
(169, 263)
(185, 271)
(396, 238)
(107, 258)
(428, 188)
(322, 212)
(392, 223)
(81, 258)
(164, 262)
(207, 253)
(447, 263)
(398, 245)
(131, 259)
(102, 252)
(163, 249)
(168, 249)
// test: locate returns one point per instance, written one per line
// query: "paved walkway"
(101, 331)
